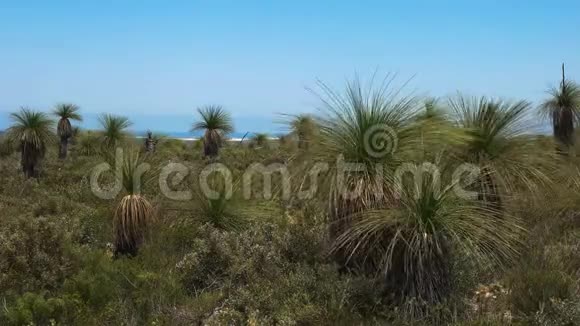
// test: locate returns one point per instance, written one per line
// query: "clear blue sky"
(156, 61)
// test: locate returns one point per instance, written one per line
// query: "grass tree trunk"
(209, 149)
(28, 169)
(63, 148)
(563, 121)
(211, 144)
(150, 145)
(28, 162)
(566, 129)
(556, 128)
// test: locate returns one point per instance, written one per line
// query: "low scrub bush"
(35, 256)
(266, 275)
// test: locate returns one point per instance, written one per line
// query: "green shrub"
(485, 321)
(37, 309)
(88, 143)
(46, 208)
(6, 148)
(559, 313)
(114, 291)
(173, 147)
(533, 288)
(547, 272)
(34, 255)
(266, 276)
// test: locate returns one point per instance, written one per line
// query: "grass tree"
(500, 146)
(563, 109)
(221, 211)
(217, 123)
(150, 142)
(260, 140)
(65, 112)
(433, 120)
(134, 214)
(413, 246)
(114, 130)
(380, 223)
(303, 127)
(432, 110)
(30, 131)
(365, 134)
(219, 201)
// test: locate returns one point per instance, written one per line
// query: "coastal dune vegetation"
(381, 208)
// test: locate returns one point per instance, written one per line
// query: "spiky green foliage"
(499, 144)
(138, 170)
(221, 212)
(432, 110)
(434, 121)
(413, 246)
(131, 221)
(219, 204)
(562, 108)
(30, 131)
(260, 140)
(370, 127)
(303, 127)
(65, 112)
(114, 129)
(366, 124)
(217, 123)
(134, 214)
